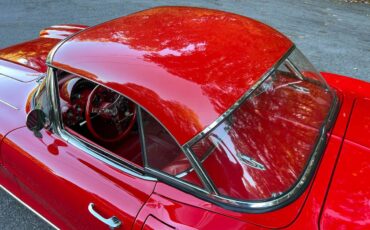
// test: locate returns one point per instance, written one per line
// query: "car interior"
(103, 117)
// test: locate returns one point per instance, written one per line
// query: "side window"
(164, 154)
(100, 116)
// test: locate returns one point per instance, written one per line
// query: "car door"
(71, 186)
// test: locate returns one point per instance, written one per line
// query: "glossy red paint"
(17, 72)
(33, 53)
(347, 204)
(348, 200)
(309, 215)
(68, 179)
(177, 215)
(15, 95)
(359, 129)
(350, 86)
(59, 180)
(275, 219)
(184, 65)
(305, 211)
(337, 215)
(152, 223)
(272, 127)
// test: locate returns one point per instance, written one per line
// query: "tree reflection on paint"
(205, 59)
(278, 127)
(32, 53)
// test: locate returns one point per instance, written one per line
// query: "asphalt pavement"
(334, 35)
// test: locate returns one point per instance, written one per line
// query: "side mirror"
(36, 120)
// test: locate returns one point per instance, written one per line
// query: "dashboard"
(74, 93)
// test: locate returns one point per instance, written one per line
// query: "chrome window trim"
(304, 178)
(298, 187)
(94, 151)
(204, 179)
(141, 136)
(78, 75)
(106, 158)
(58, 127)
(202, 174)
(189, 170)
(211, 193)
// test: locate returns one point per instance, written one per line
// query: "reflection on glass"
(261, 149)
(164, 154)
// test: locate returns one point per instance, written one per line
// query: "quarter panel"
(310, 214)
(348, 201)
(359, 128)
(186, 216)
(274, 219)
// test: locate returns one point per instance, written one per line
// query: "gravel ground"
(335, 35)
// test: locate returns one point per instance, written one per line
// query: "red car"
(181, 118)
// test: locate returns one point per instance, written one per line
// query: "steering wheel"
(109, 116)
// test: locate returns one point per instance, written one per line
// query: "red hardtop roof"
(184, 65)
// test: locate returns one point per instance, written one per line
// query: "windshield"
(262, 148)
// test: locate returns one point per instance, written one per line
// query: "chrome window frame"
(94, 150)
(259, 206)
(146, 173)
(57, 127)
(209, 193)
(91, 149)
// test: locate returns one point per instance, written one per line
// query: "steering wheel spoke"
(114, 109)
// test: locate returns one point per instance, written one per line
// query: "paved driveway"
(333, 34)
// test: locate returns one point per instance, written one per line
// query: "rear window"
(262, 148)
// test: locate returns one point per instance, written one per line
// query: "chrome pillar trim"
(28, 207)
(174, 180)
(189, 170)
(238, 102)
(203, 176)
(51, 54)
(142, 137)
(9, 105)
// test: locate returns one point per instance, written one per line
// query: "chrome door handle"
(112, 222)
